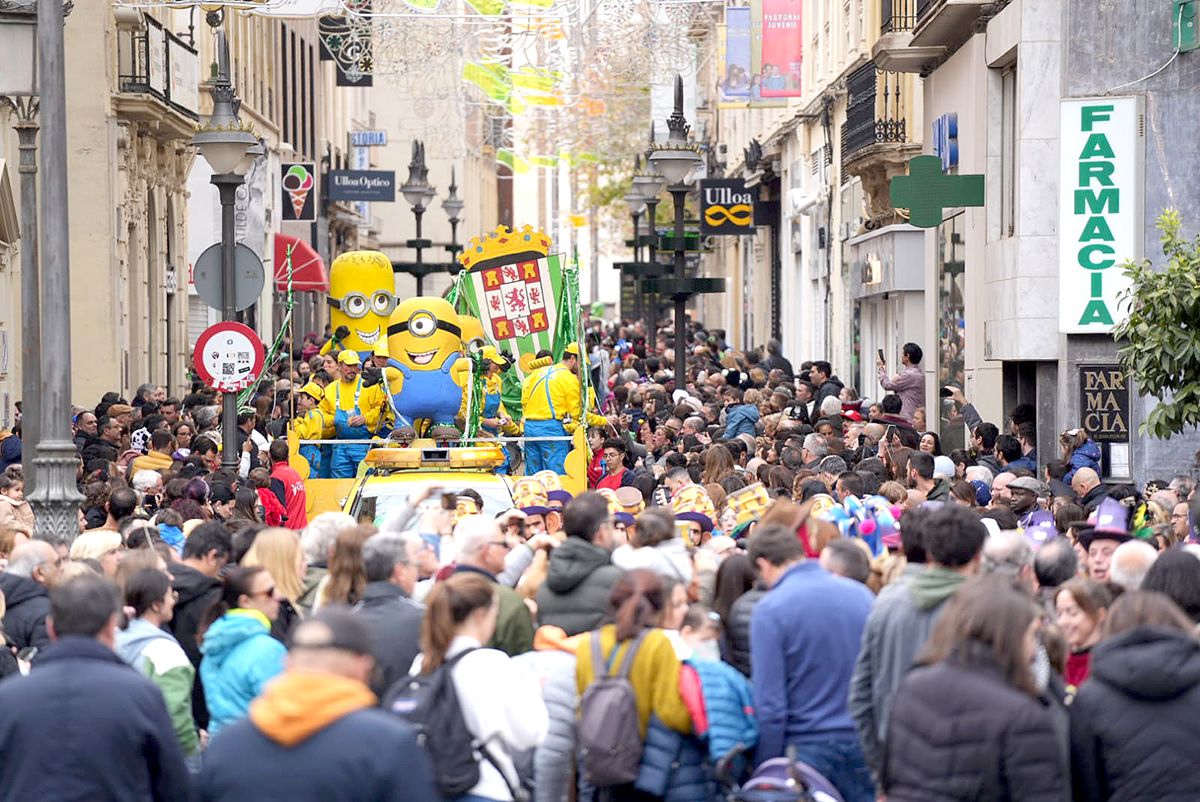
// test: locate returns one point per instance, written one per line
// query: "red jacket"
(289, 487)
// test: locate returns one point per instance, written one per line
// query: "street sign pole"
(227, 186)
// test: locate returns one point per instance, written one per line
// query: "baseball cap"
(943, 468)
(381, 349)
(349, 357)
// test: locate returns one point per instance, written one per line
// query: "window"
(952, 327)
(1008, 151)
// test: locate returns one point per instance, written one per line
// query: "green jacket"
(514, 624)
(159, 656)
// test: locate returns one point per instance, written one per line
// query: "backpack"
(430, 704)
(610, 740)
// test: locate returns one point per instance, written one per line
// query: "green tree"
(1159, 343)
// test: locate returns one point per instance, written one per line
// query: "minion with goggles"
(425, 374)
(361, 299)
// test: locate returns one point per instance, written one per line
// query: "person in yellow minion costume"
(361, 297)
(494, 418)
(355, 410)
(310, 424)
(425, 373)
(551, 402)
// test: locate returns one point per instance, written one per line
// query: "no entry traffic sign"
(229, 357)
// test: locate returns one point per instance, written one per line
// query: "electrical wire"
(1171, 60)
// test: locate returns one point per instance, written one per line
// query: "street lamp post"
(453, 206)
(419, 194)
(648, 185)
(635, 203)
(55, 499)
(675, 160)
(230, 148)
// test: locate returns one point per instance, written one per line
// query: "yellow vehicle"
(390, 475)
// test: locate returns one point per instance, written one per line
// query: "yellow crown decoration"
(504, 246)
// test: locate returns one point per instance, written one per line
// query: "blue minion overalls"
(546, 455)
(427, 394)
(318, 462)
(491, 406)
(346, 458)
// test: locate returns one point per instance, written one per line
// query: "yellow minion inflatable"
(426, 375)
(362, 298)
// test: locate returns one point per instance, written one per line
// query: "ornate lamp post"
(453, 206)
(649, 184)
(419, 194)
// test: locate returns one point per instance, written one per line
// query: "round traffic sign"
(249, 276)
(229, 357)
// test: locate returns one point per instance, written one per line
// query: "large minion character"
(425, 375)
(361, 299)
(355, 408)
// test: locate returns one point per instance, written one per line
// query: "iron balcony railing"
(924, 6)
(156, 62)
(898, 16)
(874, 111)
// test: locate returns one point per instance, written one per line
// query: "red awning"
(308, 271)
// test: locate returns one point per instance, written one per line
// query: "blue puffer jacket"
(1086, 456)
(674, 768)
(240, 657)
(729, 706)
(740, 419)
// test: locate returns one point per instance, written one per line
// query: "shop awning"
(308, 270)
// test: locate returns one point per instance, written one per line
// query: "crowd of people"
(767, 569)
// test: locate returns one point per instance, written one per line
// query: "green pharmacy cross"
(926, 191)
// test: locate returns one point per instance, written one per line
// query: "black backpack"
(610, 738)
(430, 704)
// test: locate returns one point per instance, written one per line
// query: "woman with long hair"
(733, 601)
(501, 705)
(1135, 724)
(968, 722)
(1081, 605)
(278, 551)
(347, 575)
(239, 654)
(931, 444)
(151, 649)
(718, 463)
(245, 505)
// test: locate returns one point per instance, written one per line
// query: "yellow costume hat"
(572, 348)
(549, 479)
(313, 391)
(349, 357)
(749, 503)
(692, 503)
(492, 355)
(529, 494)
(614, 504)
(631, 500)
(381, 349)
(821, 503)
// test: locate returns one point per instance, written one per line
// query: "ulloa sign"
(726, 207)
(1099, 208)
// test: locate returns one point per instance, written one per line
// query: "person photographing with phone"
(909, 383)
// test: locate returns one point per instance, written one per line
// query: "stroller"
(781, 779)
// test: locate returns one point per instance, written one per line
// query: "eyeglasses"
(266, 594)
(356, 304)
(501, 543)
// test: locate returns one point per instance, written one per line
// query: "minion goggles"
(423, 324)
(356, 304)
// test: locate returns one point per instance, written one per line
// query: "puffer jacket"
(668, 559)
(1135, 722)
(1086, 456)
(579, 580)
(959, 730)
(740, 419)
(555, 755)
(736, 640)
(240, 657)
(728, 715)
(28, 604)
(674, 768)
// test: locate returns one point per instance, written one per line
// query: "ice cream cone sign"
(298, 184)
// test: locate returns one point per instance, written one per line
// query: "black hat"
(334, 628)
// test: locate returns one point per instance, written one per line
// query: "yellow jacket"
(341, 395)
(153, 461)
(313, 425)
(654, 676)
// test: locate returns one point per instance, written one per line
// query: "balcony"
(895, 49)
(158, 79)
(876, 143)
(948, 23)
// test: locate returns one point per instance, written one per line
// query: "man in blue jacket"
(739, 418)
(804, 639)
(83, 724)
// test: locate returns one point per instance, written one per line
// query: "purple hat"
(624, 518)
(1039, 534)
(560, 495)
(1109, 522)
(706, 523)
(983, 493)
(537, 509)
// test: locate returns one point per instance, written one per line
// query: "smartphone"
(946, 392)
(889, 434)
(449, 501)
(880, 352)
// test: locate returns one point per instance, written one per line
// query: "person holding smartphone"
(909, 383)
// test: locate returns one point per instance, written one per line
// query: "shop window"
(952, 327)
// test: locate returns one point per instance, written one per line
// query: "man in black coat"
(107, 445)
(32, 568)
(83, 724)
(387, 607)
(580, 576)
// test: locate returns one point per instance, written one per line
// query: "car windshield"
(390, 496)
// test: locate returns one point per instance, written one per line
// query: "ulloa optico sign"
(362, 185)
(1100, 208)
(726, 207)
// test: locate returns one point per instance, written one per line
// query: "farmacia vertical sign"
(1099, 209)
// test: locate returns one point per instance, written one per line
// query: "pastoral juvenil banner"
(779, 49)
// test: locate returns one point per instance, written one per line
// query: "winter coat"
(99, 448)
(728, 707)
(579, 580)
(240, 657)
(16, 515)
(285, 623)
(1135, 723)
(10, 451)
(159, 657)
(514, 624)
(197, 592)
(802, 663)
(990, 462)
(1086, 456)
(668, 559)
(959, 731)
(900, 622)
(740, 419)
(908, 384)
(831, 388)
(85, 726)
(736, 645)
(555, 755)
(395, 621)
(674, 768)
(316, 737)
(1091, 500)
(28, 604)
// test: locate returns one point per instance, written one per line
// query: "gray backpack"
(610, 740)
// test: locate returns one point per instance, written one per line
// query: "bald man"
(1088, 488)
